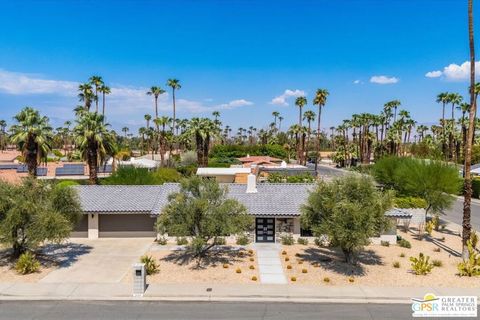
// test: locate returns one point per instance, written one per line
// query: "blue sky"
(243, 58)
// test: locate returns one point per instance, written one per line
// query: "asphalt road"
(118, 310)
(455, 214)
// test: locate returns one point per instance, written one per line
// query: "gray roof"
(117, 199)
(398, 213)
(280, 199)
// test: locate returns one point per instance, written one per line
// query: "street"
(455, 214)
(117, 310)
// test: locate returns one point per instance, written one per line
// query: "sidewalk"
(205, 292)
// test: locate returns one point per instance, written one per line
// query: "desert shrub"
(289, 267)
(300, 261)
(287, 239)
(471, 266)
(182, 241)
(396, 264)
(287, 259)
(304, 270)
(429, 227)
(220, 241)
(326, 279)
(27, 263)
(252, 267)
(404, 243)
(225, 266)
(187, 171)
(293, 279)
(351, 279)
(318, 242)
(402, 255)
(238, 151)
(284, 252)
(302, 241)
(421, 265)
(243, 240)
(436, 249)
(238, 270)
(162, 241)
(251, 259)
(129, 175)
(409, 202)
(385, 243)
(254, 278)
(437, 263)
(188, 158)
(474, 238)
(151, 267)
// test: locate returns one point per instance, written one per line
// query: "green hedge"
(476, 187)
(238, 151)
(410, 202)
(128, 175)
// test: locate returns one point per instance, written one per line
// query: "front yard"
(324, 266)
(225, 265)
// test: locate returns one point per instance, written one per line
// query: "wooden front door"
(265, 229)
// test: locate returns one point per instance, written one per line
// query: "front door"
(265, 229)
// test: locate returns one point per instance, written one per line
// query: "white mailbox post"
(139, 279)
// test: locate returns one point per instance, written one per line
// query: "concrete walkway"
(230, 292)
(97, 261)
(269, 264)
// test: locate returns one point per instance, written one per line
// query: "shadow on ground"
(333, 259)
(213, 257)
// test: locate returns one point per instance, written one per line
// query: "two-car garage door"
(125, 225)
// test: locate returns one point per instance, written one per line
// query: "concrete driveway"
(96, 261)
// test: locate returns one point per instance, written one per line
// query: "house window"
(306, 232)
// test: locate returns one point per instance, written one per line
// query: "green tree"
(349, 211)
(33, 136)
(155, 92)
(202, 130)
(97, 83)
(94, 141)
(320, 100)
(33, 212)
(86, 95)
(203, 211)
(104, 90)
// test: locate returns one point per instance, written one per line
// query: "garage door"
(126, 225)
(81, 229)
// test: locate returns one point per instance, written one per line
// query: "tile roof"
(281, 199)
(398, 213)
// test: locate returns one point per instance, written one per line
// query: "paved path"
(98, 261)
(269, 264)
(111, 310)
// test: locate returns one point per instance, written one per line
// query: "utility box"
(139, 279)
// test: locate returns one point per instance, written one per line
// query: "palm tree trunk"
(174, 110)
(318, 133)
(92, 162)
(103, 106)
(31, 157)
(467, 227)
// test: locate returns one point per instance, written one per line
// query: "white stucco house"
(131, 211)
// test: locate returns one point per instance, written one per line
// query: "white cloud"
(455, 72)
(281, 100)
(383, 80)
(22, 83)
(357, 82)
(433, 74)
(235, 103)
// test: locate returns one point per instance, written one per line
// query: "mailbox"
(139, 279)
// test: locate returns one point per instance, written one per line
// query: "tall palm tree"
(454, 99)
(202, 130)
(275, 115)
(105, 90)
(155, 92)
(86, 95)
(96, 82)
(300, 102)
(394, 104)
(33, 136)
(443, 98)
(147, 118)
(94, 141)
(320, 100)
(216, 115)
(466, 224)
(3, 127)
(175, 85)
(125, 131)
(309, 116)
(280, 119)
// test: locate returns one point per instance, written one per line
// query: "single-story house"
(226, 175)
(131, 211)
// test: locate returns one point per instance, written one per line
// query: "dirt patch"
(375, 264)
(220, 266)
(10, 275)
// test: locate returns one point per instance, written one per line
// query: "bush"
(293, 279)
(27, 263)
(476, 187)
(437, 263)
(182, 241)
(66, 183)
(287, 239)
(188, 158)
(396, 264)
(436, 249)
(129, 175)
(385, 243)
(238, 270)
(225, 266)
(254, 278)
(421, 265)
(162, 241)
(429, 227)
(243, 240)
(289, 267)
(151, 267)
(402, 255)
(302, 241)
(287, 259)
(470, 267)
(409, 202)
(304, 270)
(326, 279)
(220, 241)
(164, 175)
(474, 238)
(252, 267)
(252, 259)
(318, 242)
(351, 279)
(404, 243)
(238, 151)
(284, 252)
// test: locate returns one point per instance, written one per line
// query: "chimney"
(251, 183)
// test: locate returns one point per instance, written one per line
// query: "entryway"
(265, 229)
(269, 264)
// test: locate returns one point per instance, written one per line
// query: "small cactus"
(254, 278)
(284, 252)
(252, 267)
(293, 279)
(326, 279)
(351, 279)
(304, 270)
(225, 266)
(238, 270)
(252, 259)
(287, 259)
(289, 267)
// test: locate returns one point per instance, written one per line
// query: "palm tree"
(3, 127)
(105, 90)
(96, 82)
(155, 92)
(280, 119)
(125, 130)
(94, 141)
(147, 118)
(275, 115)
(86, 95)
(300, 102)
(394, 104)
(33, 136)
(175, 85)
(320, 100)
(216, 115)
(309, 115)
(443, 98)
(202, 130)
(454, 99)
(467, 227)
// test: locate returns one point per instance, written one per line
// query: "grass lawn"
(375, 264)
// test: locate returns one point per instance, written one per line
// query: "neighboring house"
(254, 161)
(131, 211)
(225, 175)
